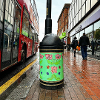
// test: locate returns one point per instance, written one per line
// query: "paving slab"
(81, 82)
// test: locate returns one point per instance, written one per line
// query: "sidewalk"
(81, 81)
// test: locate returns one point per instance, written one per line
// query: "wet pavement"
(81, 82)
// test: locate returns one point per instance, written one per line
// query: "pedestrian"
(74, 45)
(92, 46)
(83, 42)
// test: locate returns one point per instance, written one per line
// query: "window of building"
(73, 12)
(77, 18)
(32, 2)
(68, 19)
(96, 27)
(71, 17)
(75, 9)
(59, 22)
(89, 32)
(71, 25)
(97, 35)
(83, 1)
(93, 2)
(87, 5)
(81, 33)
(80, 14)
(77, 6)
(77, 36)
(74, 21)
(63, 16)
(83, 10)
(80, 4)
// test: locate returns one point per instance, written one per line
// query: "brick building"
(63, 23)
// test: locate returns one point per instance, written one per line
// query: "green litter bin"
(51, 62)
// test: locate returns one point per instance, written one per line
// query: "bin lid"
(51, 40)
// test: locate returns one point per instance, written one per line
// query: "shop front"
(91, 27)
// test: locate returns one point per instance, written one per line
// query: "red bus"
(19, 30)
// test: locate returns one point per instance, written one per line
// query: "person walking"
(74, 45)
(83, 42)
(92, 46)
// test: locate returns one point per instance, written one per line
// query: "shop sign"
(78, 29)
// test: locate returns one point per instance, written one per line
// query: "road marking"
(13, 79)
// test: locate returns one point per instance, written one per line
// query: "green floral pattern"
(51, 66)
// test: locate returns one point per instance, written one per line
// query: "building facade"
(84, 16)
(63, 21)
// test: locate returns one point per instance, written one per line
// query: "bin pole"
(48, 20)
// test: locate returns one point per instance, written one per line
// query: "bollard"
(51, 56)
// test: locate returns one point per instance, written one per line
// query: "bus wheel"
(23, 56)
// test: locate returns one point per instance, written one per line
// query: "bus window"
(16, 33)
(1, 10)
(7, 38)
(30, 32)
(1, 21)
(25, 26)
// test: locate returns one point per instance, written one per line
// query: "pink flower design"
(48, 56)
(54, 69)
(58, 56)
(41, 56)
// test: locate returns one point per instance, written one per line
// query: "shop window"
(81, 33)
(96, 27)
(89, 32)
(97, 35)
(77, 36)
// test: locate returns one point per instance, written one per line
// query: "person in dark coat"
(74, 45)
(83, 42)
(92, 46)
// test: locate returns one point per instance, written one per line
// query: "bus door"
(16, 34)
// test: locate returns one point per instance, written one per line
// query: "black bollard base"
(51, 85)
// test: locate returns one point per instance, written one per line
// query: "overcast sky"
(57, 6)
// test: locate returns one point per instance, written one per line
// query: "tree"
(97, 33)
